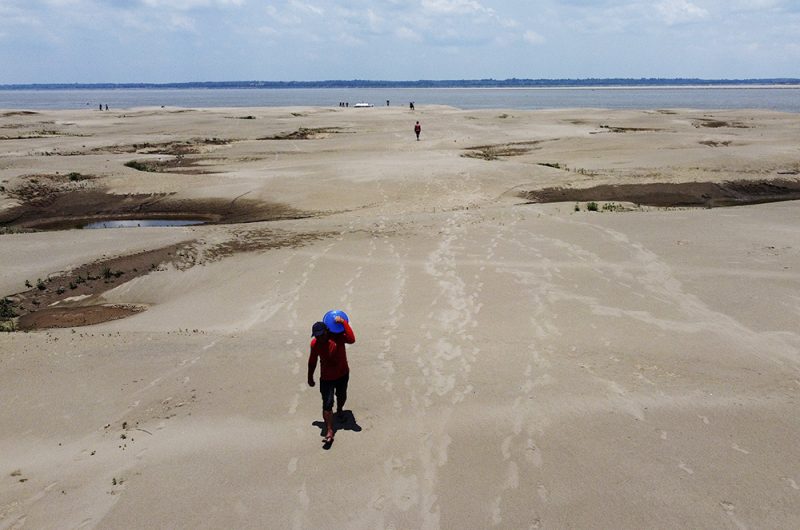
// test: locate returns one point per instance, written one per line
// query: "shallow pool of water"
(140, 223)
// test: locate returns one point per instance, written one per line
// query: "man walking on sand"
(334, 373)
(417, 130)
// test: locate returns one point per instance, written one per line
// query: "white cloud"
(60, 3)
(309, 8)
(268, 31)
(349, 39)
(753, 5)
(156, 23)
(454, 7)
(531, 37)
(185, 5)
(283, 18)
(408, 34)
(679, 11)
(508, 23)
(181, 23)
(18, 20)
(375, 20)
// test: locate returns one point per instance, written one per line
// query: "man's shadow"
(345, 421)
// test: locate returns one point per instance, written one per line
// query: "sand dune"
(517, 364)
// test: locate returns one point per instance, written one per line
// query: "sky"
(160, 41)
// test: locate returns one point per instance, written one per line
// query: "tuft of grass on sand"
(304, 133)
(139, 166)
(7, 315)
(7, 309)
(497, 151)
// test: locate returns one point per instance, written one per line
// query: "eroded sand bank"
(517, 365)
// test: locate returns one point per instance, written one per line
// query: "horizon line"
(420, 83)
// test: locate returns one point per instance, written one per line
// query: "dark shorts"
(327, 389)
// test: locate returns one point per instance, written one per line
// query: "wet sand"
(519, 363)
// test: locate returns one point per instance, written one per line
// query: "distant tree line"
(422, 83)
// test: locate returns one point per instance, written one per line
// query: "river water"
(780, 98)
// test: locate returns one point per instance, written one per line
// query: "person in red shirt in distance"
(334, 373)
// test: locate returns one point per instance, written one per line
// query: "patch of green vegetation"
(7, 309)
(7, 313)
(303, 133)
(496, 151)
(626, 129)
(139, 166)
(75, 176)
(716, 124)
(107, 273)
(591, 206)
(15, 230)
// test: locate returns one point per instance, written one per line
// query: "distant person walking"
(334, 373)
(417, 130)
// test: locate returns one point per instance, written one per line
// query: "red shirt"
(332, 354)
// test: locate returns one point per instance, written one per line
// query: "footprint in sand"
(543, 493)
(496, 512)
(294, 403)
(505, 447)
(378, 502)
(302, 497)
(532, 454)
(512, 476)
(736, 447)
(730, 509)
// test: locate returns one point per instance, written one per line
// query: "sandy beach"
(564, 318)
